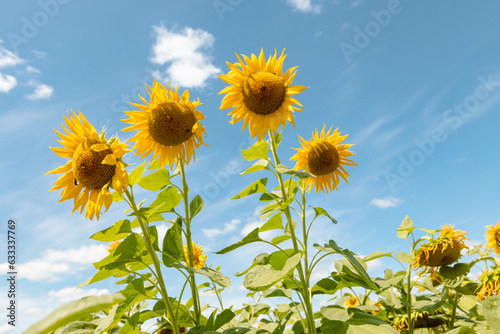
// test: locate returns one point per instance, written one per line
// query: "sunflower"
(95, 165)
(324, 157)
(198, 256)
(442, 251)
(113, 245)
(260, 93)
(493, 237)
(490, 283)
(352, 301)
(169, 125)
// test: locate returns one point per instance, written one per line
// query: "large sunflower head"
(169, 125)
(198, 256)
(490, 283)
(324, 157)
(493, 237)
(443, 250)
(95, 165)
(260, 93)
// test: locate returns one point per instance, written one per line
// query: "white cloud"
(69, 294)
(304, 6)
(7, 82)
(228, 227)
(31, 69)
(54, 263)
(42, 91)
(8, 58)
(183, 55)
(388, 202)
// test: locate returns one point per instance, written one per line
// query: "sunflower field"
(430, 291)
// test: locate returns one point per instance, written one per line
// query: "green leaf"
(376, 255)
(453, 276)
(214, 275)
(278, 292)
(322, 212)
(117, 197)
(257, 166)
(258, 186)
(491, 310)
(166, 201)
(136, 174)
(173, 251)
(258, 150)
(277, 139)
(275, 223)
(324, 286)
(74, 311)
(131, 324)
(405, 228)
(195, 206)
(156, 180)
(223, 318)
(404, 257)
(119, 230)
(280, 238)
(282, 168)
(262, 277)
(251, 237)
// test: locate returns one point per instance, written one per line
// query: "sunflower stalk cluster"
(162, 277)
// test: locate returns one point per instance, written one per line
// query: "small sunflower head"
(325, 157)
(493, 238)
(260, 93)
(352, 301)
(169, 125)
(113, 245)
(442, 251)
(199, 259)
(489, 283)
(95, 165)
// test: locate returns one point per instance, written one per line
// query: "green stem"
(454, 311)
(408, 299)
(156, 262)
(192, 280)
(305, 286)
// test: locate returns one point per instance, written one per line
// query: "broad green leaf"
(464, 330)
(318, 211)
(278, 259)
(173, 251)
(117, 197)
(466, 303)
(278, 292)
(131, 324)
(274, 223)
(237, 330)
(404, 257)
(453, 276)
(277, 139)
(136, 174)
(74, 311)
(131, 247)
(491, 310)
(156, 180)
(119, 230)
(195, 206)
(334, 326)
(258, 186)
(262, 277)
(251, 237)
(223, 318)
(405, 228)
(324, 286)
(376, 255)
(214, 275)
(280, 238)
(258, 150)
(166, 201)
(257, 166)
(282, 168)
(335, 312)
(76, 327)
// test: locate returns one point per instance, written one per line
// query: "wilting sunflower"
(490, 283)
(260, 93)
(198, 257)
(169, 125)
(442, 251)
(324, 157)
(95, 165)
(493, 237)
(113, 245)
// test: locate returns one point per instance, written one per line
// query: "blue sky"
(415, 84)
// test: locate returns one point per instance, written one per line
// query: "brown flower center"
(263, 92)
(171, 123)
(323, 158)
(87, 166)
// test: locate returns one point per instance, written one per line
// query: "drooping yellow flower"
(324, 157)
(442, 251)
(352, 301)
(493, 237)
(169, 125)
(95, 165)
(490, 283)
(260, 93)
(113, 245)
(199, 258)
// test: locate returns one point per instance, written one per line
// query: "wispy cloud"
(388, 202)
(7, 82)
(228, 227)
(8, 58)
(69, 294)
(304, 6)
(185, 56)
(41, 91)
